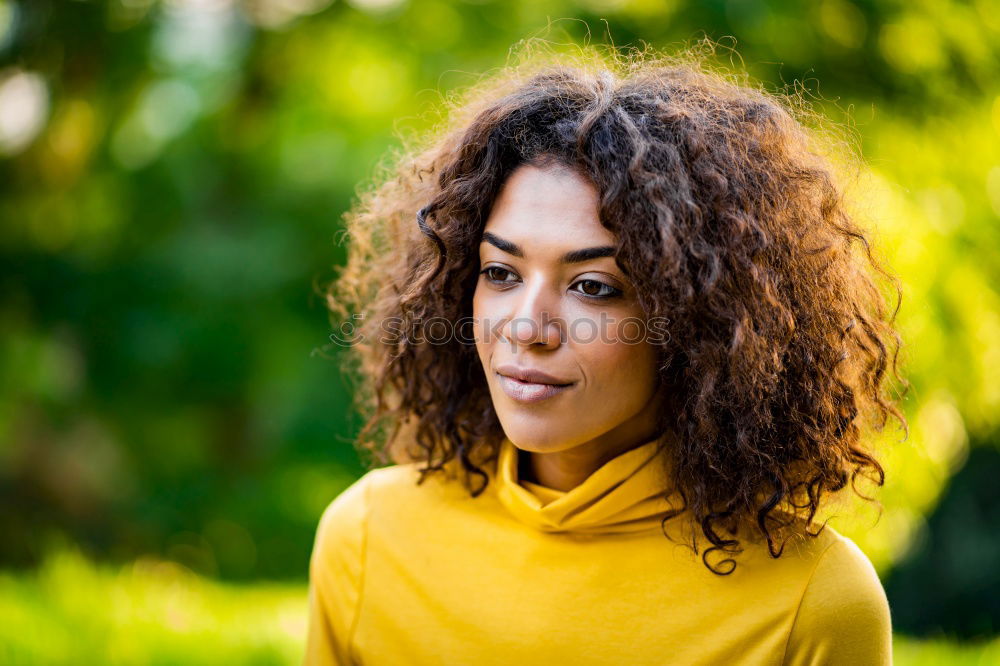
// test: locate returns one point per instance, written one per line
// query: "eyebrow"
(571, 257)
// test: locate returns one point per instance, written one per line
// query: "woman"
(616, 338)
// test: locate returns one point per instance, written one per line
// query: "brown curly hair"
(732, 224)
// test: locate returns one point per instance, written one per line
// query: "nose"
(535, 320)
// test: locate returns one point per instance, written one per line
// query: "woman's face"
(551, 299)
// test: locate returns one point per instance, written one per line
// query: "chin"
(529, 437)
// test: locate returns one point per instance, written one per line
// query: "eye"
(593, 289)
(490, 275)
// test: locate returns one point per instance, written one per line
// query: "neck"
(565, 470)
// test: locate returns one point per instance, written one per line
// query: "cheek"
(489, 314)
(480, 304)
(620, 372)
(480, 316)
(617, 358)
(619, 343)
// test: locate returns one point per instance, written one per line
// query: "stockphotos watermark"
(444, 331)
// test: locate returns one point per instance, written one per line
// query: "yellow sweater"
(523, 574)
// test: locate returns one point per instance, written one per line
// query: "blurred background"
(172, 176)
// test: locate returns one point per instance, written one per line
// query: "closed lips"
(531, 376)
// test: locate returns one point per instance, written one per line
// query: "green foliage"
(960, 559)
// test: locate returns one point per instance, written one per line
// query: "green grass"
(71, 611)
(912, 652)
(151, 612)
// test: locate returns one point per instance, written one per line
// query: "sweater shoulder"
(345, 515)
(407, 482)
(339, 534)
(843, 615)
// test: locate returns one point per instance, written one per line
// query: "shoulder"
(844, 581)
(843, 615)
(340, 532)
(337, 565)
(344, 520)
(348, 511)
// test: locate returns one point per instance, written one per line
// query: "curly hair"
(732, 223)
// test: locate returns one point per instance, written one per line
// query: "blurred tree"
(948, 584)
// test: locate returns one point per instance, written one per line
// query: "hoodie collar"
(626, 494)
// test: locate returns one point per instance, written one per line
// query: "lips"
(528, 385)
(527, 392)
(531, 375)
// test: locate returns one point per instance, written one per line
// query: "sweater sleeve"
(843, 618)
(336, 571)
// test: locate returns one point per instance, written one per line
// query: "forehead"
(548, 206)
